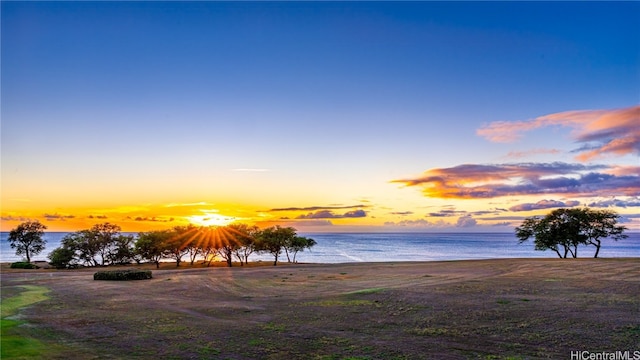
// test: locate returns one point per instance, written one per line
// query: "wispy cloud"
(15, 218)
(317, 208)
(418, 223)
(523, 154)
(472, 181)
(447, 213)
(328, 214)
(402, 213)
(150, 219)
(544, 204)
(57, 217)
(294, 223)
(600, 132)
(102, 217)
(634, 202)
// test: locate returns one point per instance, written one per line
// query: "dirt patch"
(488, 309)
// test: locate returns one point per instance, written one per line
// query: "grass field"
(485, 309)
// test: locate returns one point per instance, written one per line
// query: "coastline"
(376, 247)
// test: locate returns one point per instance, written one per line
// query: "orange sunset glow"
(355, 117)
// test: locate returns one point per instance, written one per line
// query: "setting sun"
(211, 219)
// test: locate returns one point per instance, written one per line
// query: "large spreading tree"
(27, 239)
(298, 244)
(563, 230)
(598, 225)
(99, 246)
(246, 237)
(151, 245)
(274, 239)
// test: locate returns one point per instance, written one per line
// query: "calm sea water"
(376, 247)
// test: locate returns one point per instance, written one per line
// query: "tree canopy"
(27, 239)
(104, 245)
(563, 230)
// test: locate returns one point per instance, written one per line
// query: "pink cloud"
(521, 154)
(601, 132)
(490, 181)
(624, 170)
(544, 204)
(328, 214)
(418, 223)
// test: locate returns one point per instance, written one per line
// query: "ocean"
(381, 247)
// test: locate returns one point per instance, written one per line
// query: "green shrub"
(62, 257)
(122, 275)
(24, 265)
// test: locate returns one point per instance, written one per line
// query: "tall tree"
(298, 244)
(600, 224)
(152, 245)
(179, 241)
(84, 245)
(563, 230)
(195, 244)
(245, 236)
(105, 236)
(558, 231)
(226, 242)
(207, 244)
(123, 251)
(274, 239)
(27, 239)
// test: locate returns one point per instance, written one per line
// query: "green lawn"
(13, 345)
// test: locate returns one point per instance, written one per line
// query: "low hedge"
(122, 275)
(24, 265)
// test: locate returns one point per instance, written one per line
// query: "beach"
(485, 309)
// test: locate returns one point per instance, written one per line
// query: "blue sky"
(121, 108)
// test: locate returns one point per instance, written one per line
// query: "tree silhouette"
(563, 230)
(27, 239)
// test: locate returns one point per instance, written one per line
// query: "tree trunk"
(275, 262)
(26, 252)
(228, 256)
(157, 264)
(597, 251)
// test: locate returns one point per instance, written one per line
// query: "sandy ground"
(486, 309)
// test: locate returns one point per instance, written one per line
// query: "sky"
(324, 116)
